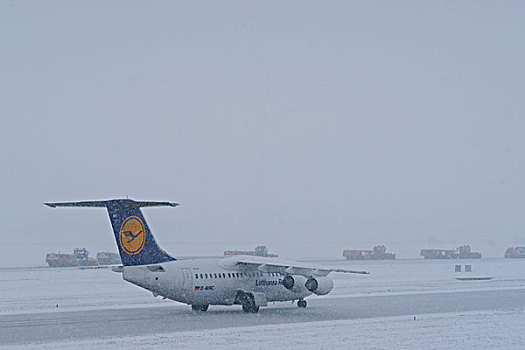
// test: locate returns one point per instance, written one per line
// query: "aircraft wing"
(287, 267)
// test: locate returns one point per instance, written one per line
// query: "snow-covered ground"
(474, 330)
(51, 291)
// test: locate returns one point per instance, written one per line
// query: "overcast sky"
(295, 124)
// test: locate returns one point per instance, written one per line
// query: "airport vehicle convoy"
(517, 252)
(80, 257)
(259, 251)
(378, 253)
(462, 252)
(249, 281)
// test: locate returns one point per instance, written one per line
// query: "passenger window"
(201, 276)
(206, 275)
(223, 275)
(237, 274)
(196, 276)
(215, 275)
(229, 276)
(219, 275)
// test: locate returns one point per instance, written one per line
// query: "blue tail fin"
(134, 239)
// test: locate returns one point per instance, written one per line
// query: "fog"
(309, 127)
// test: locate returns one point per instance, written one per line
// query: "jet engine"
(294, 283)
(319, 285)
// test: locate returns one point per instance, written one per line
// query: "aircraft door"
(187, 279)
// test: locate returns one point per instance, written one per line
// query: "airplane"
(250, 281)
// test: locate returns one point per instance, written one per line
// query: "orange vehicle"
(259, 251)
(462, 252)
(378, 253)
(80, 257)
(517, 252)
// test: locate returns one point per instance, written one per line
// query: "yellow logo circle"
(132, 235)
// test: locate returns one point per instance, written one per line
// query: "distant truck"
(513, 253)
(462, 252)
(107, 258)
(61, 260)
(378, 253)
(259, 251)
(80, 257)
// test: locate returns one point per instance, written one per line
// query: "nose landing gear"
(301, 303)
(202, 308)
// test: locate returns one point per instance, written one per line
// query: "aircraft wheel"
(202, 308)
(301, 303)
(250, 309)
(248, 304)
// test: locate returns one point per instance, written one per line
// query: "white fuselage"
(209, 281)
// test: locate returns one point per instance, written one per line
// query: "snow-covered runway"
(470, 330)
(97, 308)
(124, 323)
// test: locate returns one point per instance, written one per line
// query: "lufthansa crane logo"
(132, 235)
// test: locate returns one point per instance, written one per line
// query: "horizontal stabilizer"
(128, 202)
(77, 204)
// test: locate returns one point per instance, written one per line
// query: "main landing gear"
(247, 301)
(202, 308)
(248, 304)
(301, 303)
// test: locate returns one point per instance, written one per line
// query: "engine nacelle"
(319, 285)
(294, 283)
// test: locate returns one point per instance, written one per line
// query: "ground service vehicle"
(517, 252)
(80, 257)
(462, 252)
(378, 253)
(260, 250)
